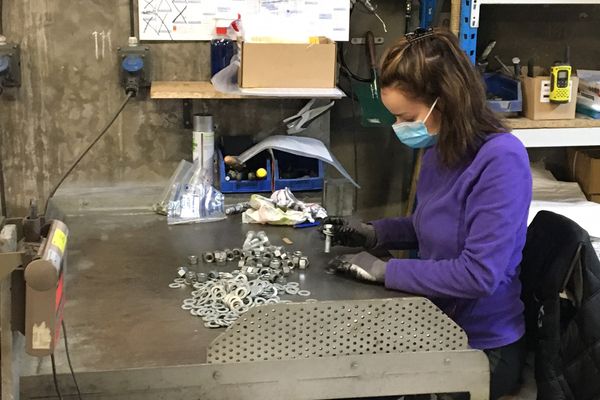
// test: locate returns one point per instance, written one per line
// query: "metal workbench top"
(120, 312)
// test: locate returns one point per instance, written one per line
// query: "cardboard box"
(536, 104)
(585, 169)
(594, 197)
(287, 65)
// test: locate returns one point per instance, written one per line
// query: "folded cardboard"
(536, 102)
(585, 169)
(288, 65)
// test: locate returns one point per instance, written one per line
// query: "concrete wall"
(68, 95)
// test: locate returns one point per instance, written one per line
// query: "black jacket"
(560, 273)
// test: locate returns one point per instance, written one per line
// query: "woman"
(473, 195)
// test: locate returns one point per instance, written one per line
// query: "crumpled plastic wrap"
(283, 208)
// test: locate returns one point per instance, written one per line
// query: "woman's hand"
(362, 266)
(350, 233)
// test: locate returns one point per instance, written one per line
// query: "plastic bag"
(162, 205)
(226, 79)
(193, 199)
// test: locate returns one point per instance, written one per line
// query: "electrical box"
(135, 66)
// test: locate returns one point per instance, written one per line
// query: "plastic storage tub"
(246, 186)
(507, 89)
(311, 180)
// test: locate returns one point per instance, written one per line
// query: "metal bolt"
(328, 235)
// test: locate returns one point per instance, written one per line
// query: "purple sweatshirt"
(470, 226)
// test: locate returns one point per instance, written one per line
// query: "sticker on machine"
(40, 337)
(54, 258)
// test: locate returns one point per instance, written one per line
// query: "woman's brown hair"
(434, 66)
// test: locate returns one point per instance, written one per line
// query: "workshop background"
(68, 94)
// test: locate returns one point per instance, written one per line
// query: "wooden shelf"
(205, 90)
(556, 133)
(526, 123)
(187, 90)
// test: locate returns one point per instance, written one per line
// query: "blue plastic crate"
(590, 112)
(301, 184)
(245, 186)
(508, 89)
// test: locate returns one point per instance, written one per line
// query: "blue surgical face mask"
(415, 134)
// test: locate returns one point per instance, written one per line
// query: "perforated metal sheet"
(337, 328)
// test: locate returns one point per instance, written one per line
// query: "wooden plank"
(188, 90)
(455, 16)
(205, 90)
(526, 123)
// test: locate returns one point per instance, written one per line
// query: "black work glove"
(350, 233)
(362, 266)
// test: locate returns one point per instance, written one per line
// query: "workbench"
(130, 339)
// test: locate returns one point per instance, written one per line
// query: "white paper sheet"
(301, 146)
(564, 198)
(196, 19)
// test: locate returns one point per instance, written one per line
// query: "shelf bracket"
(475, 8)
(187, 113)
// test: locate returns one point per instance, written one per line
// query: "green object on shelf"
(374, 112)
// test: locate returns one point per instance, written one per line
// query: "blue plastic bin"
(245, 186)
(508, 89)
(283, 159)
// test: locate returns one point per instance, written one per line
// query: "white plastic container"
(203, 141)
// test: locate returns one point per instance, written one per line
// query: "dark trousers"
(506, 368)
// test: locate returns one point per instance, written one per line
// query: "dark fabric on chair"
(563, 332)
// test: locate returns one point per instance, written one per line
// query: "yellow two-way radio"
(560, 76)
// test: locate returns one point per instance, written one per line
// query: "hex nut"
(208, 257)
(303, 263)
(286, 270)
(213, 275)
(193, 260)
(237, 253)
(181, 271)
(228, 254)
(201, 277)
(220, 256)
(295, 260)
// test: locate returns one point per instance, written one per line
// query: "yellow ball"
(261, 173)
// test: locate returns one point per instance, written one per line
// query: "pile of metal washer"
(220, 298)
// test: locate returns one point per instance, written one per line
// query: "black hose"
(72, 167)
(344, 67)
(64, 328)
(55, 378)
(131, 19)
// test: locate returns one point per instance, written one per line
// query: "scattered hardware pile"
(220, 298)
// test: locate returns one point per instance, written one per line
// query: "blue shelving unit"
(426, 12)
(467, 35)
(469, 18)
